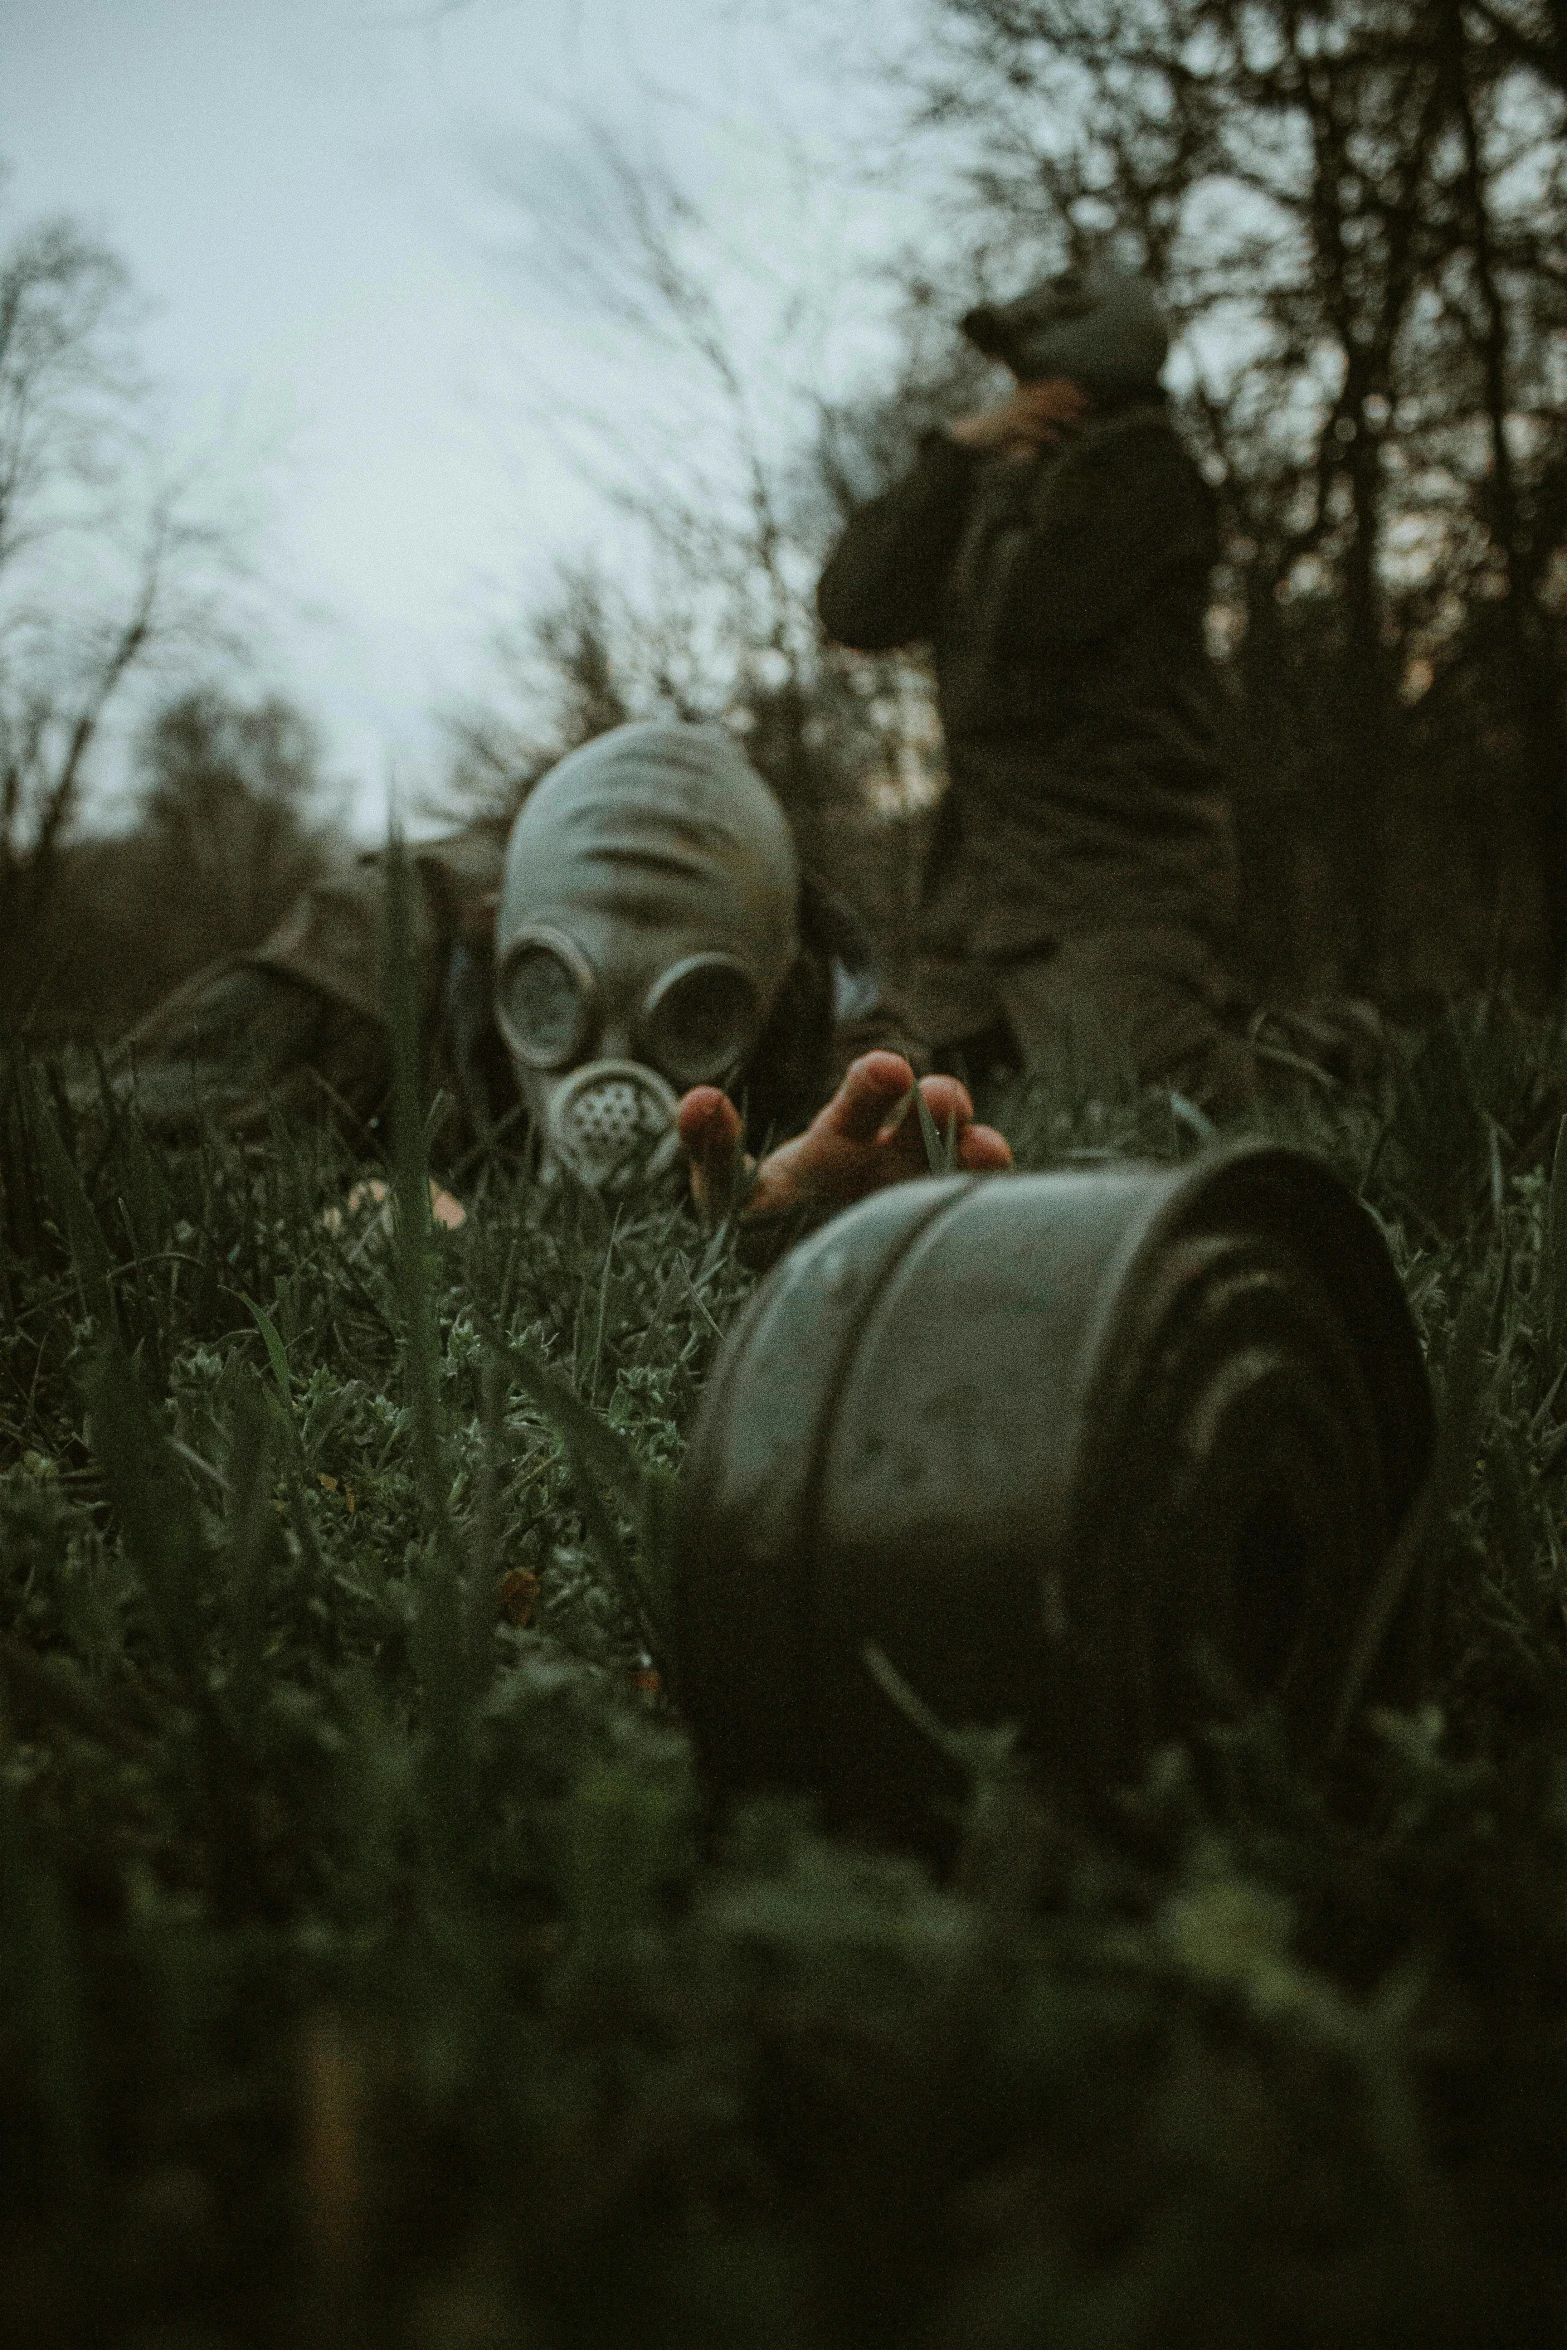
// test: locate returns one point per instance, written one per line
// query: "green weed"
(373, 1970)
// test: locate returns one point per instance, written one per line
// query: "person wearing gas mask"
(1054, 552)
(638, 967)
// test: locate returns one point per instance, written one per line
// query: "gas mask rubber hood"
(648, 919)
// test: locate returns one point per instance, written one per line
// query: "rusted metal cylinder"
(1072, 1450)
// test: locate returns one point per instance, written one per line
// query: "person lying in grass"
(636, 966)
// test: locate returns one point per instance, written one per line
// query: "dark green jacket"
(297, 1026)
(1063, 598)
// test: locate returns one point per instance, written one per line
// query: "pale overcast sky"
(338, 299)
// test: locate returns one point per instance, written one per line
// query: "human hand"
(1029, 418)
(868, 1135)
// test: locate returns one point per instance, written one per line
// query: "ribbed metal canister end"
(1098, 1452)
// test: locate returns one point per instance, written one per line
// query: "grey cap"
(1100, 326)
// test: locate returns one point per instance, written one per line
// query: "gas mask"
(647, 923)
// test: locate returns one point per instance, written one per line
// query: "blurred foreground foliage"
(373, 1970)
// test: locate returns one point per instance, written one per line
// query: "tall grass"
(373, 1969)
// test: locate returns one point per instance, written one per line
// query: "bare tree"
(1527, 33)
(103, 564)
(1357, 212)
(232, 803)
(724, 496)
(232, 820)
(561, 675)
(1501, 317)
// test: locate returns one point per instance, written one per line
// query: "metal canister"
(1079, 1451)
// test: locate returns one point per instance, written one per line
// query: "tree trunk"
(1533, 672)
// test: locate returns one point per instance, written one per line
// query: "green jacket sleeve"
(1120, 514)
(297, 1024)
(238, 1043)
(884, 580)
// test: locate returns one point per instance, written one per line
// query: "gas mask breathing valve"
(609, 1114)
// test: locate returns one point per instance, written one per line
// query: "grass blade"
(1424, 1541)
(155, 1509)
(439, 1643)
(1553, 1248)
(941, 1151)
(601, 1462)
(256, 1553)
(73, 1213)
(277, 1352)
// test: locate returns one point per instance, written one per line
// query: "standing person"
(1055, 552)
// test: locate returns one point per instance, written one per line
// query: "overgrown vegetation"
(375, 1970)
(230, 826)
(1357, 216)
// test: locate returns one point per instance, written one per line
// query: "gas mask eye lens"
(701, 1019)
(544, 1000)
